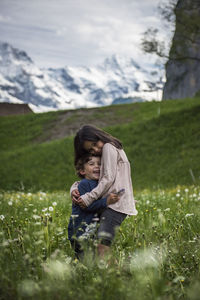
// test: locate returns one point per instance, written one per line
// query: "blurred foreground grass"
(156, 253)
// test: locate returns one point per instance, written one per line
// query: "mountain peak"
(10, 54)
(119, 62)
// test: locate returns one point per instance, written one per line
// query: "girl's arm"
(109, 167)
(74, 192)
(74, 186)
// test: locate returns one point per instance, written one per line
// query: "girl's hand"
(81, 203)
(75, 195)
(112, 198)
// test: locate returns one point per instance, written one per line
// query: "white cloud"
(64, 32)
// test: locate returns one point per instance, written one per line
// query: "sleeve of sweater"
(74, 186)
(109, 169)
(84, 187)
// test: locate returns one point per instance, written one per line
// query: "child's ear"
(82, 172)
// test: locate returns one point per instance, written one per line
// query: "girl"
(115, 175)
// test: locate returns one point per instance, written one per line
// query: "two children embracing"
(105, 193)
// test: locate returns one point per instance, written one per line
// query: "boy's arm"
(109, 162)
(83, 188)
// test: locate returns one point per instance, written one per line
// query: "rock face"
(183, 67)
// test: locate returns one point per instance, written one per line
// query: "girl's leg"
(109, 221)
(102, 250)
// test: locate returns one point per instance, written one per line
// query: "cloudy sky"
(56, 33)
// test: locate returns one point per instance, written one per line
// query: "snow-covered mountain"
(116, 80)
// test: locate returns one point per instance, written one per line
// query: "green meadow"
(156, 254)
(161, 139)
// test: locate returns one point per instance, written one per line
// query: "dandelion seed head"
(10, 203)
(2, 217)
(54, 203)
(28, 288)
(151, 257)
(50, 208)
(57, 269)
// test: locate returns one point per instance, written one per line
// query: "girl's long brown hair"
(93, 134)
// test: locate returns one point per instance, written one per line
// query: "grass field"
(156, 254)
(162, 142)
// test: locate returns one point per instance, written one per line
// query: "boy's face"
(92, 168)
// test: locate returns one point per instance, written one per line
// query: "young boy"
(83, 222)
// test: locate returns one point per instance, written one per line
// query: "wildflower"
(50, 208)
(37, 223)
(74, 216)
(29, 194)
(177, 195)
(36, 217)
(44, 209)
(189, 215)
(10, 203)
(54, 203)
(2, 217)
(47, 214)
(25, 209)
(186, 190)
(178, 279)
(167, 209)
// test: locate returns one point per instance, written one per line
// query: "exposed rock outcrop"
(183, 67)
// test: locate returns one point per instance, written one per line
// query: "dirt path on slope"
(69, 121)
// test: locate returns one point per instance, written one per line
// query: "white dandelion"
(189, 215)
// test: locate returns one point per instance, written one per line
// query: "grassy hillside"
(162, 141)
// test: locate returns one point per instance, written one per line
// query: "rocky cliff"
(183, 67)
